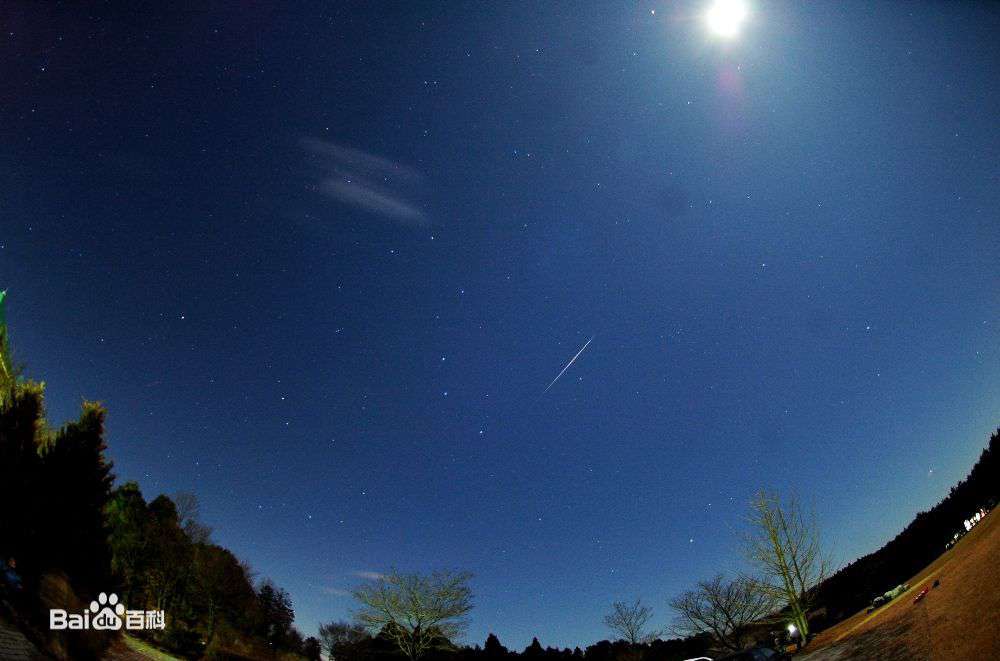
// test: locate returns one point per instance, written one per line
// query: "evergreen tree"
(22, 424)
(276, 615)
(311, 649)
(493, 650)
(76, 485)
(222, 589)
(126, 517)
(534, 650)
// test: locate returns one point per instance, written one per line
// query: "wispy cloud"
(369, 575)
(367, 181)
(336, 592)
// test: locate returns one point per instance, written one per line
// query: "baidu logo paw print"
(106, 612)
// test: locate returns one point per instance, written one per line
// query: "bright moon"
(725, 17)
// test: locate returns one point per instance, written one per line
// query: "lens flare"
(725, 17)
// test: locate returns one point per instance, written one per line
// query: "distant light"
(791, 629)
(725, 17)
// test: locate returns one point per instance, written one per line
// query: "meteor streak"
(572, 360)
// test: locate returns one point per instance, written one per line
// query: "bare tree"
(415, 610)
(629, 622)
(189, 517)
(784, 546)
(723, 609)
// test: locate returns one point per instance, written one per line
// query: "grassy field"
(143, 650)
(956, 620)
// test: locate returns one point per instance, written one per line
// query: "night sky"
(321, 265)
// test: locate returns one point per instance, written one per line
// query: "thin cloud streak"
(349, 176)
(336, 592)
(361, 161)
(361, 195)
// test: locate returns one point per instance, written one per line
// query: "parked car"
(877, 602)
(896, 591)
(888, 596)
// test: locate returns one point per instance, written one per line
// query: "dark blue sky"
(321, 266)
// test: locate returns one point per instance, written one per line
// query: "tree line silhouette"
(719, 614)
(361, 646)
(923, 540)
(71, 533)
(67, 534)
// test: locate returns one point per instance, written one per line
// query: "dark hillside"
(852, 588)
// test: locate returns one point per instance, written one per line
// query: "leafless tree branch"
(629, 622)
(415, 610)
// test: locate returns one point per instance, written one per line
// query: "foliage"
(53, 485)
(381, 647)
(8, 372)
(275, 615)
(22, 430)
(66, 524)
(784, 547)
(72, 533)
(342, 640)
(923, 540)
(311, 649)
(207, 593)
(417, 611)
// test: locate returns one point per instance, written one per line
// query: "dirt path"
(14, 646)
